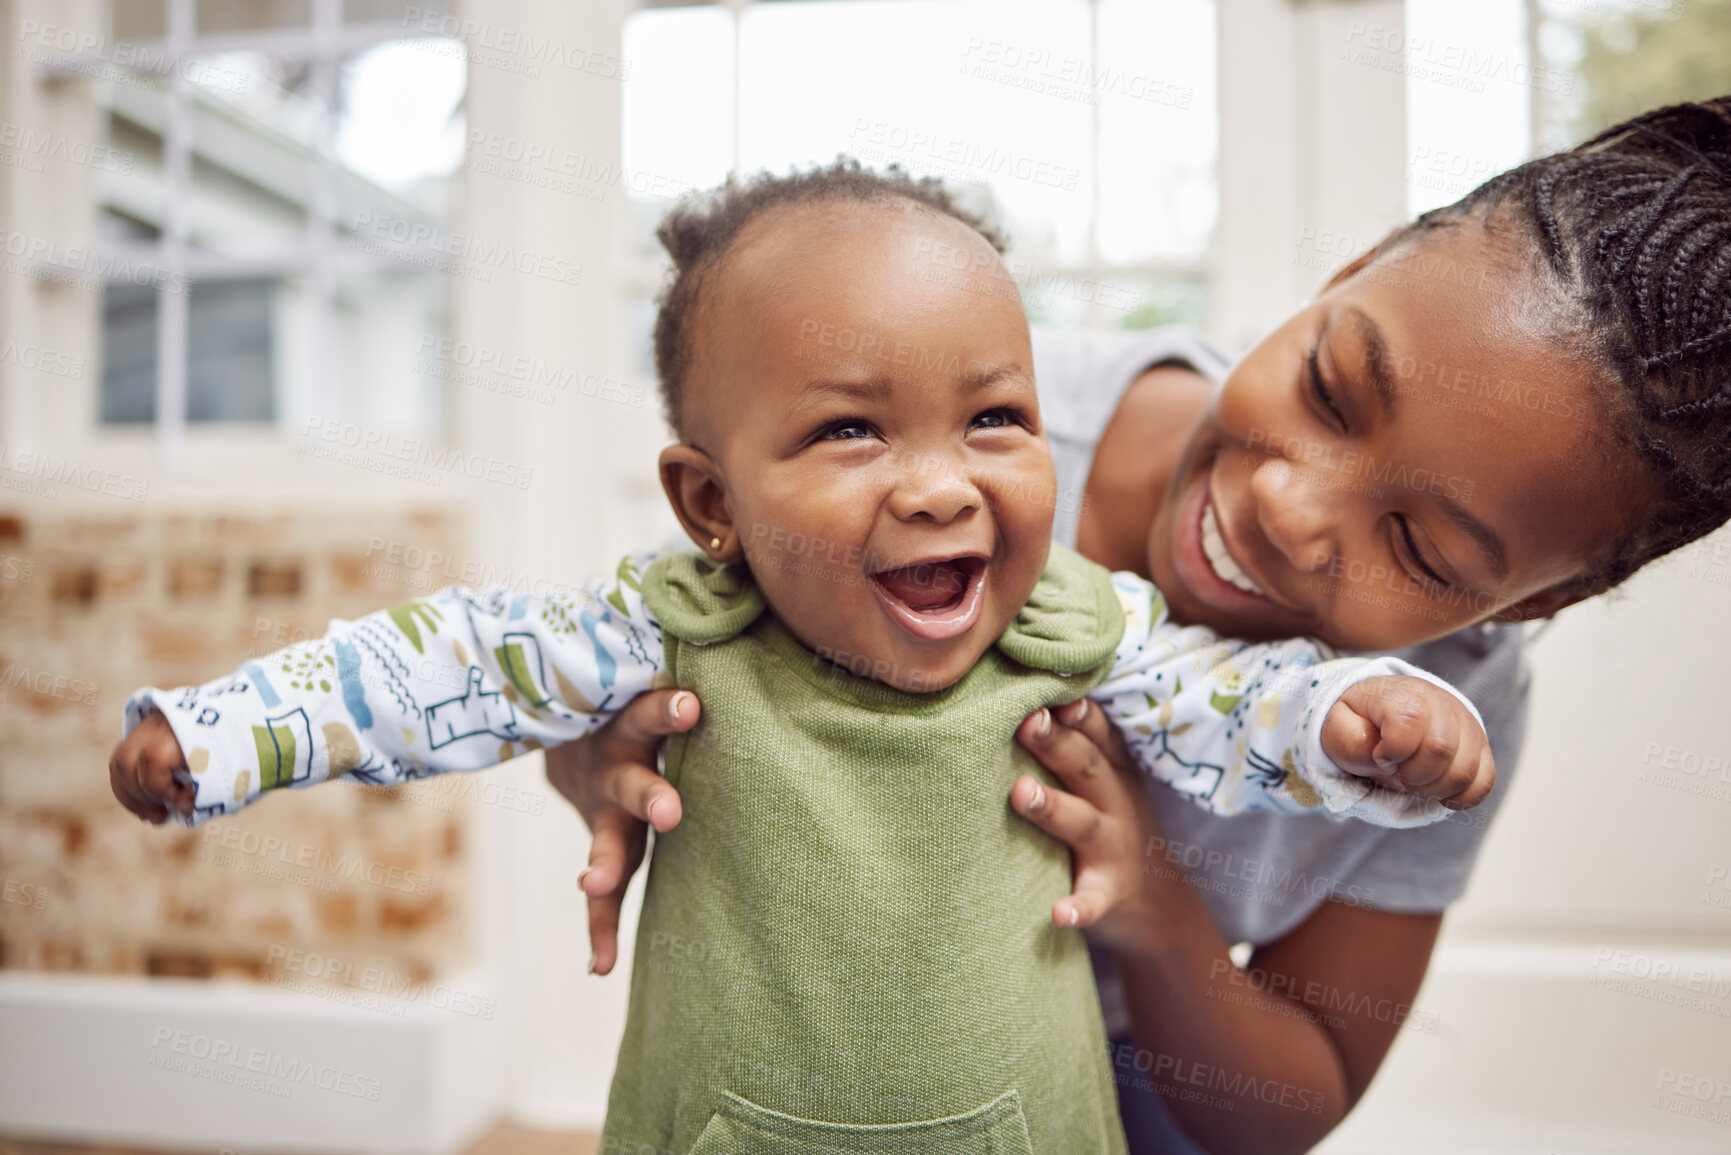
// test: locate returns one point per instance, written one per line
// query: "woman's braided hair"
(1636, 225)
(698, 231)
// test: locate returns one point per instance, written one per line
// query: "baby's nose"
(935, 490)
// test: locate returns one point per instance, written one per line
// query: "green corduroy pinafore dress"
(846, 944)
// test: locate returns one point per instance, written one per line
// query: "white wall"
(595, 496)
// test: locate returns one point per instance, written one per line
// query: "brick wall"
(365, 881)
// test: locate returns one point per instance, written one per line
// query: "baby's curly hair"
(699, 230)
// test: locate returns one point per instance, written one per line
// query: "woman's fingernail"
(582, 874)
(658, 801)
(1038, 799)
(1074, 917)
(1081, 709)
(591, 964)
(1043, 722)
(674, 705)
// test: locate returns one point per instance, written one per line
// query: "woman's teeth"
(1214, 547)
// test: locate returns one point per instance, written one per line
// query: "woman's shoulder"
(1082, 373)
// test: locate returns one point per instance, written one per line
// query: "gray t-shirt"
(1261, 875)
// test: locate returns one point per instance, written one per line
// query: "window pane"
(271, 337)
(216, 16)
(128, 354)
(228, 372)
(678, 110)
(917, 82)
(400, 119)
(428, 15)
(136, 20)
(1468, 95)
(1155, 82)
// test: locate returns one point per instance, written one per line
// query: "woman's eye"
(994, 419)
(1413, 552)
(1321, 390)
(845, 431)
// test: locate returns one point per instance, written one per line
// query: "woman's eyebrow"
(1376, 365)
(1482, 535)
(1375, 360)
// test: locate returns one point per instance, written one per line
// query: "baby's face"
(871, 408)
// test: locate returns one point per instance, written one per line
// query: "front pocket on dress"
(741, 1127)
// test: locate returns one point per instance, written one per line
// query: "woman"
(1507, 406)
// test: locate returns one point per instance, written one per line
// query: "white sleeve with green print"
(460, 680)
(1237, 726)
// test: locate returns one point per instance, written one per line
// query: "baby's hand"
(1410, 735)
(148, 772)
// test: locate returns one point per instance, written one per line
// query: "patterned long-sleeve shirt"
(464, 679)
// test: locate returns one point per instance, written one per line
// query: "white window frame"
(324, 43)
(643, 277)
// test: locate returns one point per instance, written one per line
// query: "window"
(1087, 127)
(265, 144)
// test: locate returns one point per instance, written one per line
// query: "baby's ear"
(697, 492)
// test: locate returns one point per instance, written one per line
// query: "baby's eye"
(994, 419)
(849, 430)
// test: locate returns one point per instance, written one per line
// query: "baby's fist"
(1410, 735)
(148, 772)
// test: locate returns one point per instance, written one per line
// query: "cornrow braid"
(698, 231)
(1636, 225)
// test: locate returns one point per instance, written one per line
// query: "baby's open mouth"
(933, 599)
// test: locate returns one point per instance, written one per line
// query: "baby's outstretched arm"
(460, 680)
(1414, 736)
(1288, 726)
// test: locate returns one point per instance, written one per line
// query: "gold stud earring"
(715, 543)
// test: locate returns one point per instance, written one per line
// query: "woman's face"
(1410, 454)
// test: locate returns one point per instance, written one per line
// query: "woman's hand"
(610, 778)
(1105, 819)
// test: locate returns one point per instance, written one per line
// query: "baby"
(845, 943)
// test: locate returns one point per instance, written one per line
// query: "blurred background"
(309, 305)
